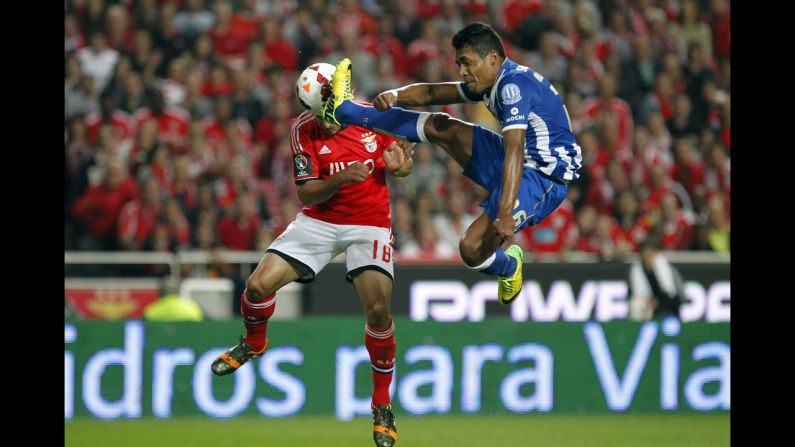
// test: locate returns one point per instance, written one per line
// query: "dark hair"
(652, 241)
(481, 37)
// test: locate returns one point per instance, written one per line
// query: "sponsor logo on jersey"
(301, 165)
(514, 118)
(514, 110)
(338, 166)
(510, 94)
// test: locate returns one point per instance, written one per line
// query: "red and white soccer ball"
(313, 87)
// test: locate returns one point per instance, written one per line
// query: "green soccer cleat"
(341, 91)
(235, 357)
(509, 288)
(384, 429)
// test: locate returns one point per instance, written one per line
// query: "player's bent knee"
(259, 287)
(470, 251)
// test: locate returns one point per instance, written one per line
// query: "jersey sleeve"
(466, 95)
(514, 96)
(305, 166)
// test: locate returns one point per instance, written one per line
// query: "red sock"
(255, 317)
(381, 344)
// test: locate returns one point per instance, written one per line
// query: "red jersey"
(316, 155)
(172, 125)
(122, 122)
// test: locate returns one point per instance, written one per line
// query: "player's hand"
(356, 172)
(408, 149)
(385, 100)
(397, 154)
(504, 225)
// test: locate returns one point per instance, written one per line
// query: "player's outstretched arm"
(419, 95)
(317, 191)
(511, 178)
(397, 158)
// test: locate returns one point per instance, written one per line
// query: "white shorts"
(312, 244)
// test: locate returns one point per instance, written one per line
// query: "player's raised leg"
(340, 109)
(452, 134)
(257, 305)
(481, 250)
(375, 288)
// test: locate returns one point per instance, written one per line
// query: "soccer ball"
(313, 87)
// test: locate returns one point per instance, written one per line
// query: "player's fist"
(356, 172)
(504, 226)
(386, 100)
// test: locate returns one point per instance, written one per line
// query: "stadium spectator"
(97, 60)
(690, 29)
(82, 99)
(682, 123)
(427, 246)
(122, 122)
(194, 20)
(555, 234)
(139, 218)
(73, 36)
(144, 57)
(451, 224)
(172, 122)
(718, 228)
(607, 106)
(656, 288)
(238, 231)
(633, 224)
(547, 59)
(676, 224)
(385, 42)
(100, 205)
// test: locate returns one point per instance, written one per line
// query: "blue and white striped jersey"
(523, 99)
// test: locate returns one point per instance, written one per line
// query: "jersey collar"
(506, 65)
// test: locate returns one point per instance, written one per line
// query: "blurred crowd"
(177, 117)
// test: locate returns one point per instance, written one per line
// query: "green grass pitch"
(611, 430)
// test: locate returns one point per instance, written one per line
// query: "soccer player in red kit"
(340, 175)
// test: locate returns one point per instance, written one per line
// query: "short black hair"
(481, 37)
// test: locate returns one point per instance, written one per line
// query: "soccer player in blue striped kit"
(527, 168)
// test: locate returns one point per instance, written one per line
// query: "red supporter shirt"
(138, 221)
(551, 234)
(237, 233)
(122, 122)
(172, 125)
(317, 155)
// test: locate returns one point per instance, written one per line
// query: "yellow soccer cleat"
(509, 288)
(341, 91)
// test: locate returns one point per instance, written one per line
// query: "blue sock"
(503, 265)
(395, 121)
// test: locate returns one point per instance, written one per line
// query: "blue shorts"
(539, 194)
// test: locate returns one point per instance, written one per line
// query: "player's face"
(328, 128)
(479, 73)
